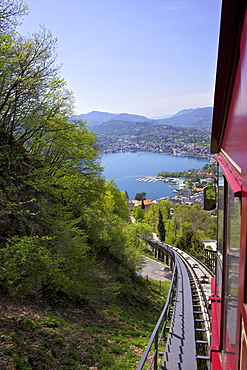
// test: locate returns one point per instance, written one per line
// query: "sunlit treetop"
(11, 12)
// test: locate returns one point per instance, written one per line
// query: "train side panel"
(229, 140)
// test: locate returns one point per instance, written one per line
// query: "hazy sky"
(148, 57)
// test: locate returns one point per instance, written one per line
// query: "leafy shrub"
(22, 364)
(29, 323)
(59, 341)
(53, 322)
(27, 265)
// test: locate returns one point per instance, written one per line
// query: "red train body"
(229, 141)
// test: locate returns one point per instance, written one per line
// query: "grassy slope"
(108, 332)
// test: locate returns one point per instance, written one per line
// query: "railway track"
(200, 280)
(188, 339)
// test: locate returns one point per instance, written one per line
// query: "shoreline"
(128, 168)
(209, 156)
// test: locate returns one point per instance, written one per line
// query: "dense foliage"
(58, 214)
(180, 225)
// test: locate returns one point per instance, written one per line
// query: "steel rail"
(200, 276)
(203, 286)
(202, 273)
(156, 337)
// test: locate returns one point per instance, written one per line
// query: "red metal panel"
(229, 134)
(232, 17)
(232, 176)
(215, 303)
(242, 313)
(215, 361)
(235, 145)
(234, 142)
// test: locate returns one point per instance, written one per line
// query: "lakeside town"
(176, 141)
(187, 186)
(189, 145)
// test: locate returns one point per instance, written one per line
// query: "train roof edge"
(232, 20)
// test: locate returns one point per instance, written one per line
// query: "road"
(155, 270)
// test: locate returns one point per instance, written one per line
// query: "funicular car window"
(232, 269)
(220, 231)
(220, 209)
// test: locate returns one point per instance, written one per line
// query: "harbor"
(138, 172)
(152, 179)
(171, 181)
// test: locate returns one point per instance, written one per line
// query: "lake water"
(127, 167)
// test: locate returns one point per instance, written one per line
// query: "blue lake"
(127, 167)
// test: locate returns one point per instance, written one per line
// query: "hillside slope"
(200, 118)
(95, 117)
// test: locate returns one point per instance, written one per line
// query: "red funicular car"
(229, 142)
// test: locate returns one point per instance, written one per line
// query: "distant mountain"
(199, 118)
(162, 117)
(121, 128)
(96, 117)
(183, 111)
(131, 117)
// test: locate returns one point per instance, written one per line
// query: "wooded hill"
(199, 118)
(58, 214)
(120, 128)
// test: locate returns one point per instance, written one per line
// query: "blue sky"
(147, 57)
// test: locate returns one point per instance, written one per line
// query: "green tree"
(184, 242)
(191, 243)
(31, 90)
(55, 204)
(170, 233)
(165, 207)
(140, 196)
(138, 213)
(135, 244)
(10, 13)
(142, 204)
(198, 218)
(151, 214)
(161, 227)
(188, 226)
